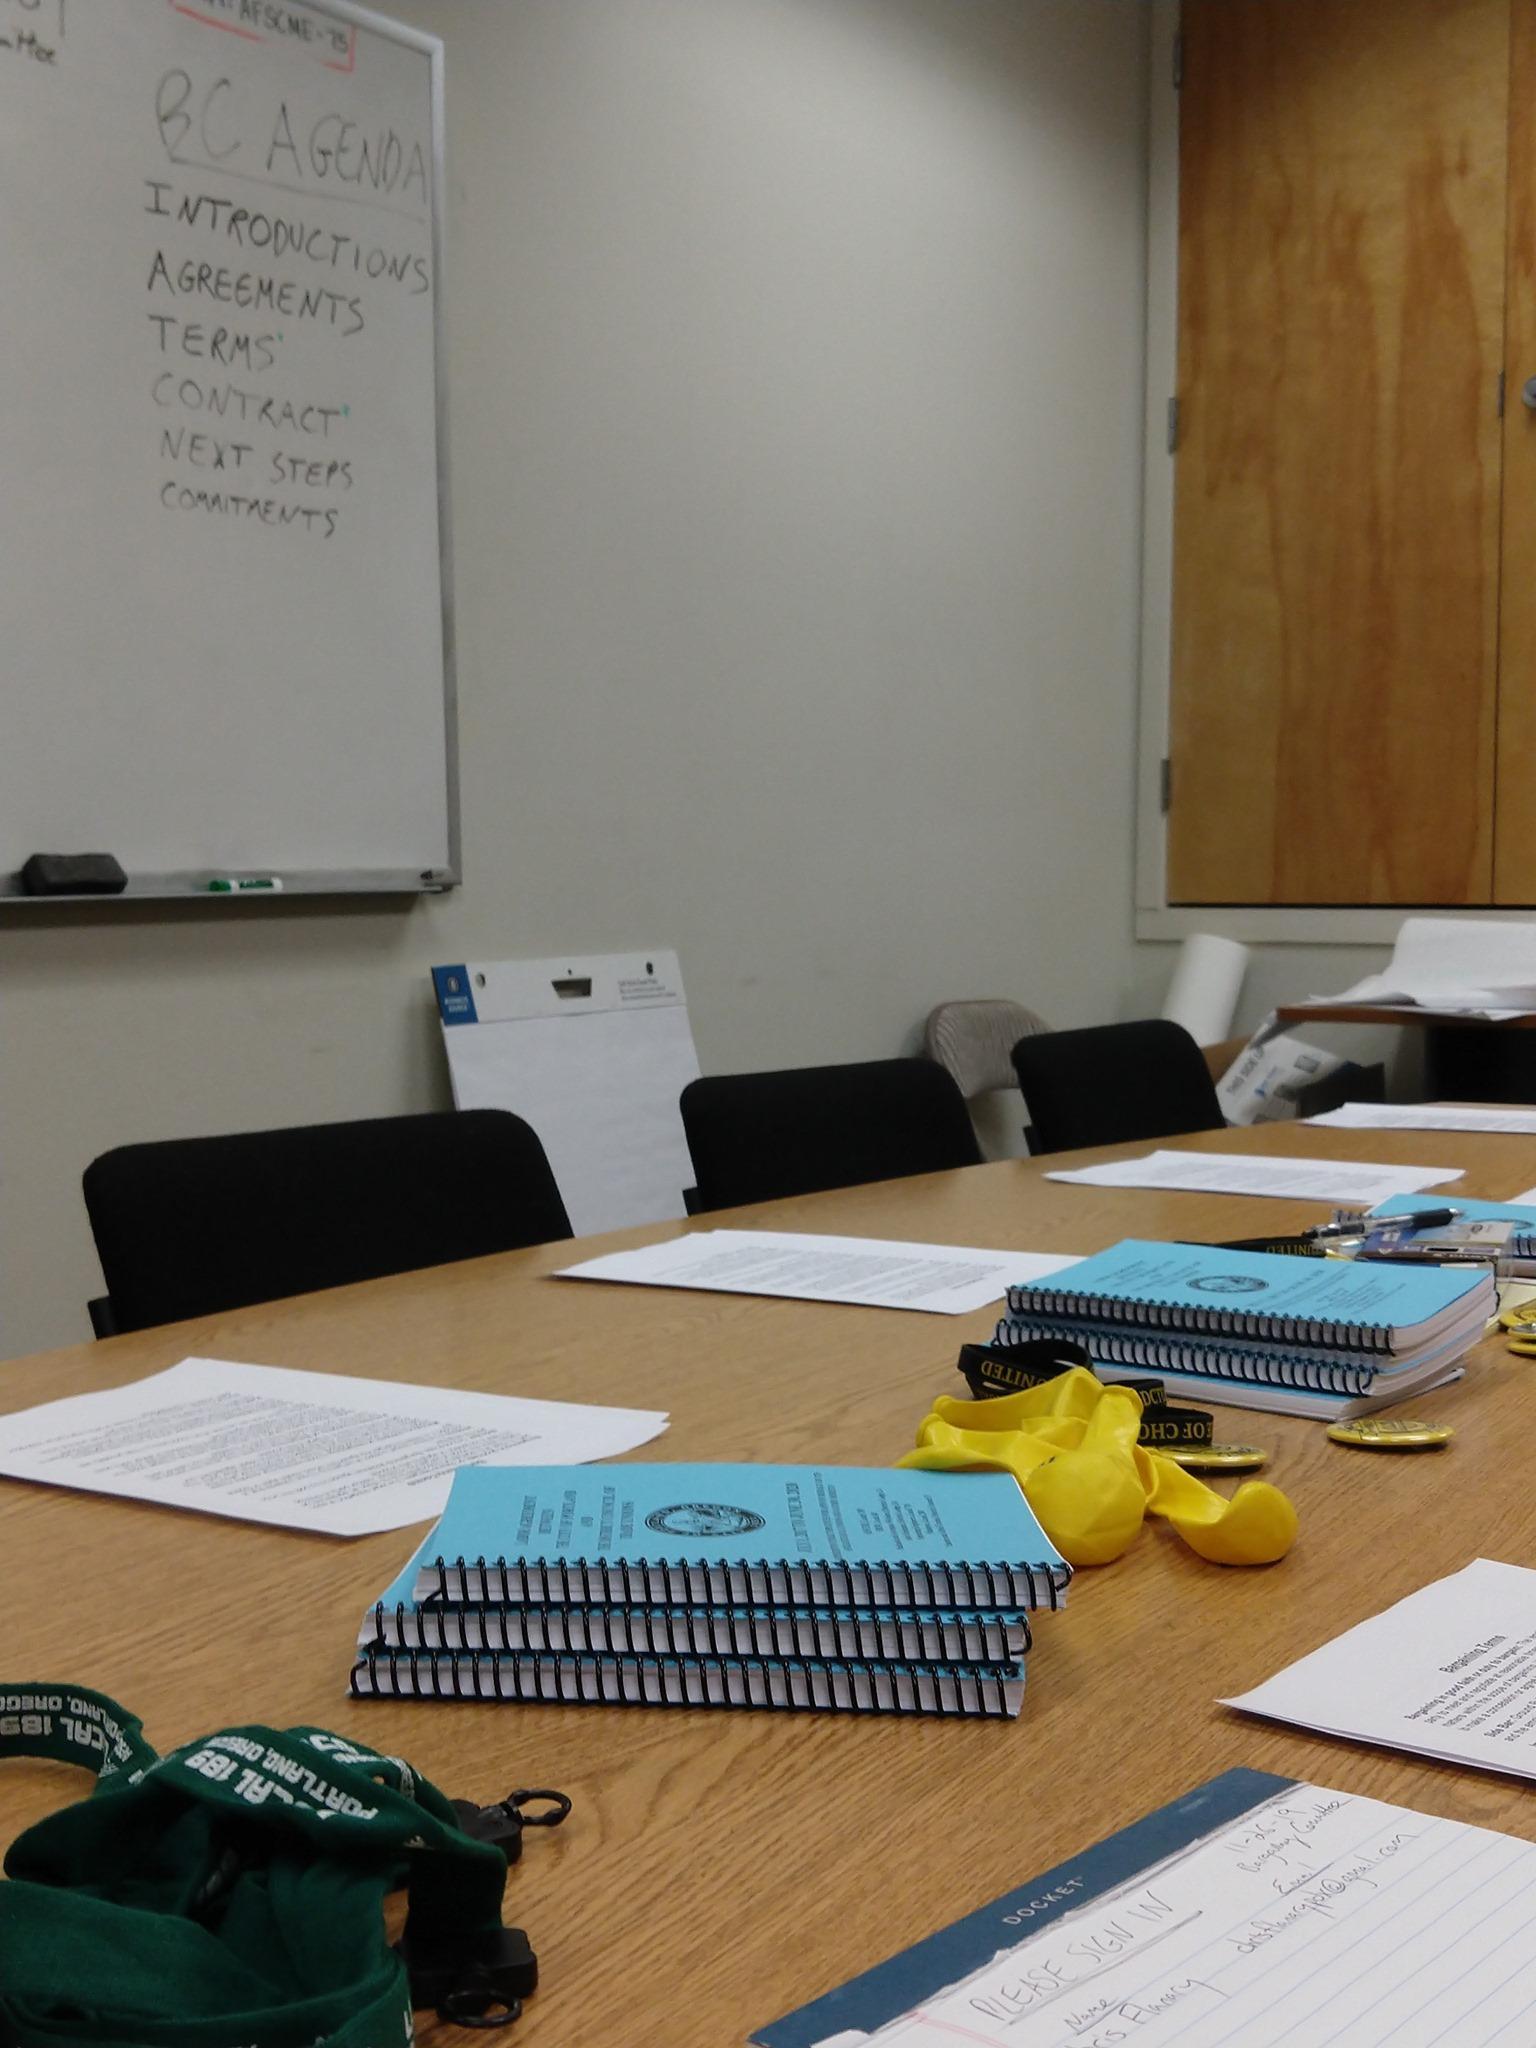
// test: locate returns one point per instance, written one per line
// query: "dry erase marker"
(230, 885)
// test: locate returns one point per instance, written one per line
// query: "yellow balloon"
(1090, 1504)
(1071, 1444)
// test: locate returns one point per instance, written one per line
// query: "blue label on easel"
(455, 1000)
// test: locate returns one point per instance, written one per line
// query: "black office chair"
(755, 1137)
(193, 1226)
(1114, 1082)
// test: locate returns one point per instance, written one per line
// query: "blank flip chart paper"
(594, 1054)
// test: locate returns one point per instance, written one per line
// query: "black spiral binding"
(953, 1637)
(1046, 1302)
(848, 1686)
(746, 1582)
(1251, 1368)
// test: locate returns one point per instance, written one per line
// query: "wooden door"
(1343, 174)
(1514, 866)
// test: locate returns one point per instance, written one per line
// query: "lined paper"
(1318, 1919)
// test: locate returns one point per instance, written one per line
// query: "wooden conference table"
(720, 1868)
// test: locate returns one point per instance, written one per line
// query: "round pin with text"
(1378, 1433)
(1216, 1457)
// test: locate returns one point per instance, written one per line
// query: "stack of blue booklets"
(816, 1586)
(1305, 1336)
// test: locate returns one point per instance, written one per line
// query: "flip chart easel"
(593, 1053)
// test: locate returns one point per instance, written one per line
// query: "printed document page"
(301, 1450)
(1450, 1672)
(944, 1279)
(1317, 1919)
(1428, 1116)
(1320, 1180)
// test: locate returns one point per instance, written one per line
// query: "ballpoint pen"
(1408, 1219)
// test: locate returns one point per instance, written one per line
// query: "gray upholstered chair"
(973, 1041)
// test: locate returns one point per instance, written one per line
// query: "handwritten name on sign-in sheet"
(1318, 1918)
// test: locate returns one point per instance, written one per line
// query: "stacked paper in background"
(1453, 966)
(838, 1587)
(1305, 1336)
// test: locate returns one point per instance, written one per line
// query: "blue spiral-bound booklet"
(730, 1535)
(1338, 1303)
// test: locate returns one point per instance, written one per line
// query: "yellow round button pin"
(1519, 1317)
(1374, 1433)
(1218, 1457)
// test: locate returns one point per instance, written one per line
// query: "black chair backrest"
(756, 1137)
(1114, 1082)
(194, 1226)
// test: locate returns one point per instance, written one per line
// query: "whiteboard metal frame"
(191, 885)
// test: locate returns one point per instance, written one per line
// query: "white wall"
(795, 353)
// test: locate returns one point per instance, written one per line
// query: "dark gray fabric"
(1112, 1083)
(193, 1226)
(756, 1137)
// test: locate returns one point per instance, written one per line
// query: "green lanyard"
(231, 1894)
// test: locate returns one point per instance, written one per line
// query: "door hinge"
(1173, 426)
(1165, 784)
(1178, 61)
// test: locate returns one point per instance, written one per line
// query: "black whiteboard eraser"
(73, 874)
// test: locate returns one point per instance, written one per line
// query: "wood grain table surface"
(723, 1867)
(1394, 1013)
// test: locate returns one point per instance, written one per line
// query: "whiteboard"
(225, 631)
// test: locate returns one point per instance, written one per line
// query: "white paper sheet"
(943, 1279)
(1427, 1116)
(1318, 1920)
(301, 1450)
(594, 1053)
(1313, 1180)
(1450, 1672)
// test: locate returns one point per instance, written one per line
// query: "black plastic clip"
(503, 1823)
(467, 1981)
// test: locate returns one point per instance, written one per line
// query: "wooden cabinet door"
(1514, 815)
(1343, 180)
